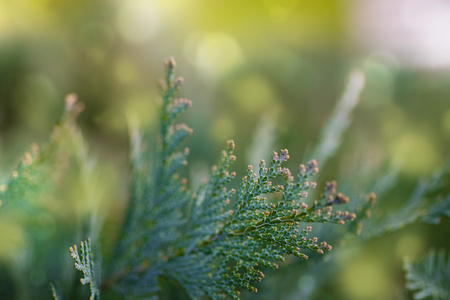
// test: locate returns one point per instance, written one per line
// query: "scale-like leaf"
(84, 262)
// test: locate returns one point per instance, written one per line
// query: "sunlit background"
(276, 67)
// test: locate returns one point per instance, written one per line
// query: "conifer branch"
(243, 230)
(429, 203)
(84, 262)
(56, 291)
(26, 181)
(217, 241)
(429, 277)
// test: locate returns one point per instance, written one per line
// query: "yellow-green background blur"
(244, 63)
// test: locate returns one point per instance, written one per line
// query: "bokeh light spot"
(142, 106)
(223, 128)
(415, 153)
(125, 71)
(366, 279)
(252, 94)
(137, 20)
(213, 53)
(410, 245)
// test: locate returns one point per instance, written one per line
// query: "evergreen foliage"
(35, 208)
(429, 278)
(429, 203)
(26, 182)
(56, 291)
(84, 262)
(217, 241)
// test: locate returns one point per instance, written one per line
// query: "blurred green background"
(245, 63)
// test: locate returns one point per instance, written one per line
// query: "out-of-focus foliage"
(39, 213)
(285, 61)
(429, 277)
